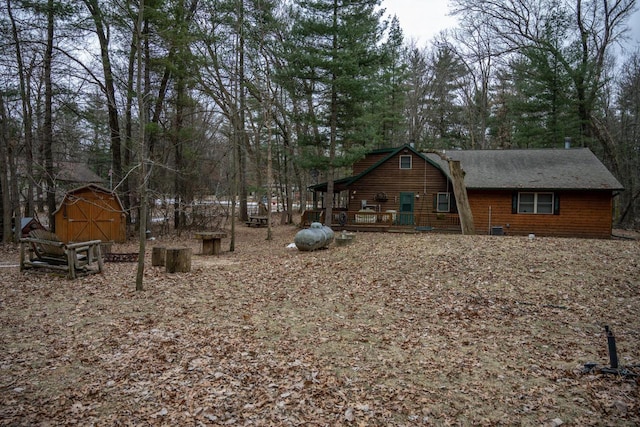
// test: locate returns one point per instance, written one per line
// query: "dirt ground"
(394, 329)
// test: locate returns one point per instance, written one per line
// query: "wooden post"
(157, 256)
(178, 260)
(98, 254)
(462, 201)
(71, 262)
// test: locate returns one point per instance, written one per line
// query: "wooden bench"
(257, 221)
(211, 241)
(44, 249)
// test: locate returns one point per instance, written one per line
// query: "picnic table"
(257, 221)
(211, 241)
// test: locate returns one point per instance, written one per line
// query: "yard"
(395, 329)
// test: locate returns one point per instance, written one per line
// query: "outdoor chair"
(43, 249)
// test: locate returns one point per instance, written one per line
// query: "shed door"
(91, 218)
(406, 209)
(79, 221)
(102, 221)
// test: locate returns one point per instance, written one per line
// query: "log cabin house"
(546, 192)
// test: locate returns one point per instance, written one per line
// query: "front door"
(406, 209)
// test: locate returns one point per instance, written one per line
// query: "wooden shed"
(90, 212)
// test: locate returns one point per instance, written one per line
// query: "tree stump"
(157, 256)
(178, 260)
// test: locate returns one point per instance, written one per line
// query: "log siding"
(585, 214)
(423, 179)
(578, 180)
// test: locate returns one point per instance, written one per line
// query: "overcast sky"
(420, 19)
(423, 19)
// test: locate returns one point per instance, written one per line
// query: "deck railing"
(386, 220)
(441, 221)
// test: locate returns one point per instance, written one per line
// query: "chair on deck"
(311, 215)
(47, 251)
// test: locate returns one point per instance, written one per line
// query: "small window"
(444, 202)
(405, 162)
(535, 203)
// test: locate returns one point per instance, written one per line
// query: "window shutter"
(435, 202)
(514, 203)
(556, 204)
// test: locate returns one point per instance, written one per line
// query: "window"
(443, 203)
(536, 203)
(405, 162)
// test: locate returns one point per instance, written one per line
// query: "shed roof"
(76, 172)
(551, 169)
(93, 188)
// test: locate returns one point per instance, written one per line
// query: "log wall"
(586, 214)
(423, 179)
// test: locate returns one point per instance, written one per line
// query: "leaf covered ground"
(393, 330)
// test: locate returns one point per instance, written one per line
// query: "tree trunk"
(5, 192)
(462, 201)
(142, 153)
(333, 124)
(109, 88)
(27, 118)
(128, 122)
(244, 140)
(179, 216)
(269, 161)
(48, 121)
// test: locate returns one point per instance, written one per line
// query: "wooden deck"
(388, 221)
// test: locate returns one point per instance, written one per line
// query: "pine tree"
(335, 57)
(542, 108)
(445, 112)
(388, 112)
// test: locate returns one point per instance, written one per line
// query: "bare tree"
(420, 79)
(589, 30)
(5, 192)
(142, 151)
(108, 85)
(627, 133)
(27, 111)
(475, 47)
(48, 117)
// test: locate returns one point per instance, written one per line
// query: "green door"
(406, 209)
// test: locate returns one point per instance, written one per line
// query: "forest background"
(181, 102)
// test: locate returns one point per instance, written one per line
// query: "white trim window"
(443, 202)
(536, 203)
(405, 162)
